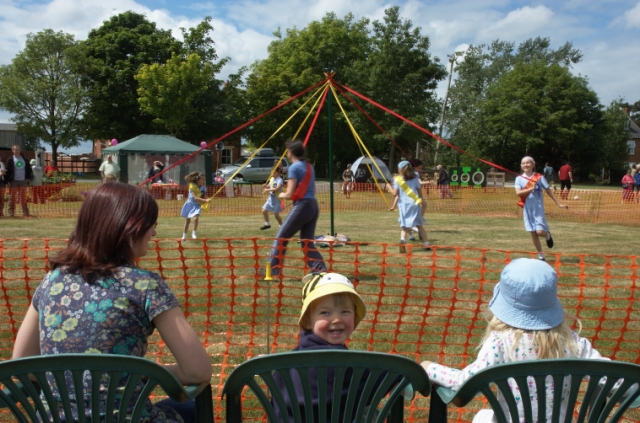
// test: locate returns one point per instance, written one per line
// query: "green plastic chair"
(25, 399)
(258, 372)
(601, 402)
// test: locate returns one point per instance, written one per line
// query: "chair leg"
(204, 406)
(396, 414)
(437, 407)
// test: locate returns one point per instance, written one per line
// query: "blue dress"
(191, 207)
(533, 210)
(273, 202)
(410, 212)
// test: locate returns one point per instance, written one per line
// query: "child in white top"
(527, 322)
(273, 203)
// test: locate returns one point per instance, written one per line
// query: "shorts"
(565, 183)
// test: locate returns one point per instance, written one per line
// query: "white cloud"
(631, 18)
(519, 23)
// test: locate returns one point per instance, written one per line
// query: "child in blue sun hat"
(526, 321)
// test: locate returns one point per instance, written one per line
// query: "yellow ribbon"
(196, 191)
(407, 190)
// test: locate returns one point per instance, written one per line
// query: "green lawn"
(444, 230)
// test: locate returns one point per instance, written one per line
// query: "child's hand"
(563, 206)
(392, 208)
(425, 365)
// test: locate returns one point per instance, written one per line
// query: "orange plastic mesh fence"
(423, 305)
(586, 206)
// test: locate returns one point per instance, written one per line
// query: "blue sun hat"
(527, 296)
(403, 164)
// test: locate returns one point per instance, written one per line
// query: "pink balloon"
(203, 144)
(114, 142)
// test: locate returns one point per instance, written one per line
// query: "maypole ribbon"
(244, 125)
(359, 141)
(295, 136)
(269, 139)
(420, 128)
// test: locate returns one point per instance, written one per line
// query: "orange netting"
(591, 206)
(423, 305)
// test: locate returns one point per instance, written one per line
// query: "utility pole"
(452, 60)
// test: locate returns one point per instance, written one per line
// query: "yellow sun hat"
(318, 285)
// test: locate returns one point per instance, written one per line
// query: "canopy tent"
(361, 170)
(137, 155)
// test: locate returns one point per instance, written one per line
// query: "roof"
(157, 144)
(8, 127)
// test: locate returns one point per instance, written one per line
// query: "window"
(227, 156)
(631, 147)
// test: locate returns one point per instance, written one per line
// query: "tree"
(542, 111)
(43, 90)
(482, 67)
(390, 64)
(114, 53)
(615, 134)
(167, 91)
(402, 76)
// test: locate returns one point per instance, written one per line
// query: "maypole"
(330, 74)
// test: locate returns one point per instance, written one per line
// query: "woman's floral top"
(113, 315)
(499, 348)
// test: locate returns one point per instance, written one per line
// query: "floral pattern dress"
(113, 315)
(500, 348)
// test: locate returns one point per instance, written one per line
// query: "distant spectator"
(18, 174)
(548, 174)
(37, 194)
(566, 179)
(110, 178)
(154, 170)
(627, 187)
(218, 179)
(443, 182)
(3, 186)
(109, 167)
(50, 170)
(636, 182)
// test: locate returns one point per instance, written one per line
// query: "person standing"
(154, 170)
(304, 214)
(109, 168)
(19, 172)
(347, 181)
(37, 195)
(3, 186)
(566, 179)
(548, 174)
(443, 182)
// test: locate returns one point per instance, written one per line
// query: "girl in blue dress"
(407, 187)
(273, 203)
(529, 188)
(195, 202)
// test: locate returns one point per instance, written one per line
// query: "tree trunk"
(392, 158)
(54, 153)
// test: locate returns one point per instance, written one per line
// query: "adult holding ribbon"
(407, 187)
(529, 188)
(304, 214)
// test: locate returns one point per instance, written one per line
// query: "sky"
(606, 31)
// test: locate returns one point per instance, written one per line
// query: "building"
(633, 144)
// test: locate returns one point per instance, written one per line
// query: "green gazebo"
(137, 155)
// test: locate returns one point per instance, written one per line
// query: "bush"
(68, 194)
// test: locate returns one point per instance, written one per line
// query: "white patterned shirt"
(497, 350)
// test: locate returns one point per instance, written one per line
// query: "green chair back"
(603, 400)
(370, 376)
(29, 402)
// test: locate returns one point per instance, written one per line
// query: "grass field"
(443, 230)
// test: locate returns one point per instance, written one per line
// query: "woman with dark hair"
(95, 300)
(304, 214)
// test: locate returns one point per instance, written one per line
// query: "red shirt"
(564, 172)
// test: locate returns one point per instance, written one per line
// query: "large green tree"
(390, 63)
(481, 67)
(42, 88)
(543, 111)
(615, 134)
(168, 91)
(114, 53)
